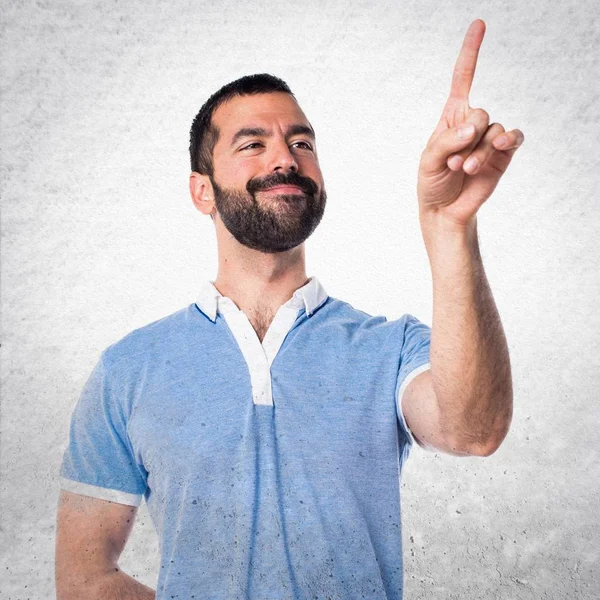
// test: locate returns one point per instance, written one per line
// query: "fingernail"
(471, 164)
(455, 161)
(465, 131)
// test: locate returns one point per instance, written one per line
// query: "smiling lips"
(284, 189)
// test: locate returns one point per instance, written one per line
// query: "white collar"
(310, 296)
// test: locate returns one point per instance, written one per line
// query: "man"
(266, 424)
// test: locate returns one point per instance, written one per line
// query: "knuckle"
(494, 130)
(481, 114)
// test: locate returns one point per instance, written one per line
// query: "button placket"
(280, 327)
(259, 357)
(254, 353)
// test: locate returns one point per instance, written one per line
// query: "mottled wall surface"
(99, 236)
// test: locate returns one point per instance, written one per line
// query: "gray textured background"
(99, 236)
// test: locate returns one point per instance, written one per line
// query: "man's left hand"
(448, 187)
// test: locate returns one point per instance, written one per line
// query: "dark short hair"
(204, 135)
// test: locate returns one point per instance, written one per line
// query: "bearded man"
(267, 423)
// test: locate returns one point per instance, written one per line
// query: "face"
(267, 183)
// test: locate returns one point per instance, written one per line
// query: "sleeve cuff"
(94, 491)
(401, 391)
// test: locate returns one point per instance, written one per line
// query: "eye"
(306, 144)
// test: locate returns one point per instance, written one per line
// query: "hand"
(448, 187)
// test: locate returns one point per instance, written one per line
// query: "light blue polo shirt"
(270, 471)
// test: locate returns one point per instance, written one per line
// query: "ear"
(201, 191)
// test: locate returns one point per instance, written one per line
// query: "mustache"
(306, 184)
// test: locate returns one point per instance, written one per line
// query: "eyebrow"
(261, 132)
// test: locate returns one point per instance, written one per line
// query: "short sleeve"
(99, 460)
(414, 359)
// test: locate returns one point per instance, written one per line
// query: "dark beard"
(276, 224)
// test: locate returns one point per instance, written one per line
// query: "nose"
(281, 159)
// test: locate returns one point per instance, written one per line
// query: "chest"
(192, 415)
(313, 400)
(260, 320)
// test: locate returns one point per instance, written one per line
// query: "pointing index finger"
(464, 69)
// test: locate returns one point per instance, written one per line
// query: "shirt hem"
(401, 391)
(86, 489)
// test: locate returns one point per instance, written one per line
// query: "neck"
(257, 281)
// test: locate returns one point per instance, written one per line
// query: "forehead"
(266, 110)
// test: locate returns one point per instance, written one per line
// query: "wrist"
(438, 225)
(447, 241)
(439, 222)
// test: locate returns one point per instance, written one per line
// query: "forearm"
(470, 365)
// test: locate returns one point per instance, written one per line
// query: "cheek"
(238, 174)
(316, 175)
(310, 167)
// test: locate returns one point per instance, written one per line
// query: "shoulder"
(156, 337)
(345, 315)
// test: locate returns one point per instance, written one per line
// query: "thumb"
(450, 141)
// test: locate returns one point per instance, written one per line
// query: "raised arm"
(464, 405)
(90, 537)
